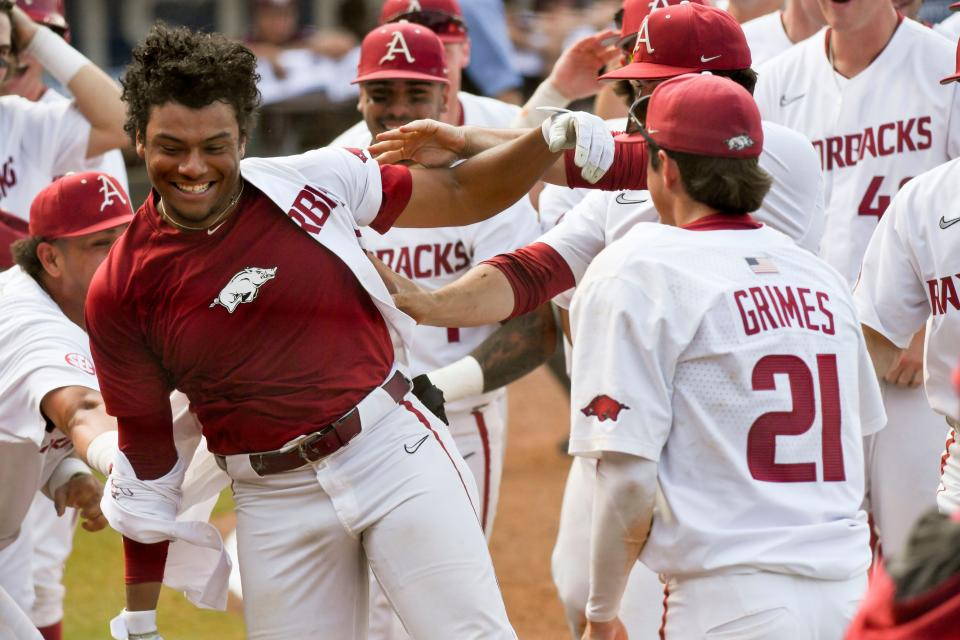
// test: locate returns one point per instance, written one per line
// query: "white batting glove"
(586, 133)
(135, 625)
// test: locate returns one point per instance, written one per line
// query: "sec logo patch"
(81, 362)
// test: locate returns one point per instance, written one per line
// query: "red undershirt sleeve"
(152, 454)
(536, 273)
(397, 186)
(629, 169)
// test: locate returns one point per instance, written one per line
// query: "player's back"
(766, 383)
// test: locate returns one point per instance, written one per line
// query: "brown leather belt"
(320, 444)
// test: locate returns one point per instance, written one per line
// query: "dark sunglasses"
(635, 120)
(442, 24)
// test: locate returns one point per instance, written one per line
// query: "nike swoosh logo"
(469, 454)
(784, 101)
(623, 200)
(946, 224)
(213, 230)
(711, 58)
(416, 445)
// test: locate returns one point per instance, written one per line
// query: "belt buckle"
(304, 447)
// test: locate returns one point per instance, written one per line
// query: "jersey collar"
(723, 222)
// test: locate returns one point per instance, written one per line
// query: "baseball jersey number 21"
(762, 438)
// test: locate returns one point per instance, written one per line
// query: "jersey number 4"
(874, 204)
(762, 438)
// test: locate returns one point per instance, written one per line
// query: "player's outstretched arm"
(80, 414)
(96, 95)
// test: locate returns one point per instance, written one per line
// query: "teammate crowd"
(752, 268)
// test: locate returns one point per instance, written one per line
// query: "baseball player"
(42, 141)
(244, 285)
(444, 18)
(908, 280)
(833, 88)
(53, 534)
(749, 369)
(774, 33)
(28, 82)
(50, 406)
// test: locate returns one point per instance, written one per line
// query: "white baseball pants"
(480, 437)
(760, 606)
(398, 498)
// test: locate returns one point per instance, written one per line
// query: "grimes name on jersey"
(773, 307)
(886, 139)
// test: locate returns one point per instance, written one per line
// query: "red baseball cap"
(401, 51)
(443, 17)
(46, 12)
(706, 115)
(955, 6)
(79, 204)
(685, 38)
(634, 11)
(956, 74)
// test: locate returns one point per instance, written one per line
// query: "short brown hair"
(732, 186)
(24, 252)
(6, 9)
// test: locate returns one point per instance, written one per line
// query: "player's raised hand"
(83, 491)
(612, 630)
(574, 74)
(426, 142)
(586, 133)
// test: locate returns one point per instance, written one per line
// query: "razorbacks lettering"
(837, 152)
(774, 307)
(8, 177)
(427, 260)
(943, 295)
(312, 207)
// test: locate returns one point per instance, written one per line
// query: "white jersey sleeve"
(556, 201)
(766, 37)
(39, 142)
(40, 350)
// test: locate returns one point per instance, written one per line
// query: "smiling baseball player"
(760, 381)
(298, 387)
(836, 88)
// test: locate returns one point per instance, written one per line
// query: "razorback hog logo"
(243, 287)
(604, 408)
(739, 143)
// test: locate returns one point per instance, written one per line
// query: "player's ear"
(466, 52)
(243, 145)
(50, 258)
(141, 149)
(445, 98)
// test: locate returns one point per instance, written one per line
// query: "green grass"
(94, 581)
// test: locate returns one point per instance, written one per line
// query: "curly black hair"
(176, 64)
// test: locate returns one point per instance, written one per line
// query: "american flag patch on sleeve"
(761, 265)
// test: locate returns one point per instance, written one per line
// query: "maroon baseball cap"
(443, 17)
(634, 11)
(685, 38)
(46, 12)
(79, 204)
(705, 115)
(955, 6)
(401, 51)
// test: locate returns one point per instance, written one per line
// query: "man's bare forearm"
(518, 347)
(478, 140)
(482, 296)
(883, 352)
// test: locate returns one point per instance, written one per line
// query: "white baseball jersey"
(910, 274)
(794, 206)
(477, 111)
(436, 257)
(735, 360)
(39, 142)
(950, 27)
(42, 350)
(766, 37)
(873, 132)
(110, 163)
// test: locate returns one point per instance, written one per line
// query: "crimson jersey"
(269, 333)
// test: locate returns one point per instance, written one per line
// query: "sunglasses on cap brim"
(639, 128)
(443, 24)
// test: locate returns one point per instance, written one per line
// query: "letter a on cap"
(414, 6)
(643, 37)
(109, 193)
(658, 4)
(397, 45)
